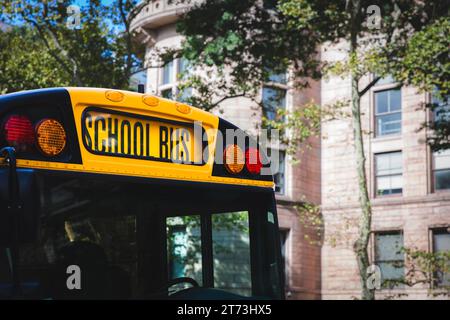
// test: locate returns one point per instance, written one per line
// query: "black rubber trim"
(145, 180)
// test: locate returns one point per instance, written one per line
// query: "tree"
(248, 40)
(24, 64)
(427, 268)
(91, 45)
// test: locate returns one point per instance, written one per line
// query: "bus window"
(231, 252)
(114, 238)
(184, 247)
(104, 248)
(137, 242)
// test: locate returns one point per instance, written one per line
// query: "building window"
(167, 93)
(388, 112)
(183, 67)
(274, 95)
(137, 78)
(280, 78)
(172, 75)
(441, 244)
(168, 73)
(441, 108)
(388, 173)
(441, 169)
(279, 175)
(389, 256)
(273, 99)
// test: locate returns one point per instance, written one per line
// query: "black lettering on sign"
(138, 138)
(125, 129)
(120, 134)
(176, 151)
(170, 143)
(147, 140)
(163, 142)
(87, 136)
(180, 153)
(113, 135)
(98, 120)
(185, 137)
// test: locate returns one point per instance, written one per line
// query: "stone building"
(155, 27)
(409, 185)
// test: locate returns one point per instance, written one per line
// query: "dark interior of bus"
(141, 240)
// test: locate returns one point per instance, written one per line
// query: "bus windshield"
(105, 238)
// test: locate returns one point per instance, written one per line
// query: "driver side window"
(184, 247)
(231, 252)
(229, 249)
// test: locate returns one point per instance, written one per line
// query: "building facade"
(409, 185)
(155, 27)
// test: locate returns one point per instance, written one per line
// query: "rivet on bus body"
(183, 108)
(113, 95)
(150, 101)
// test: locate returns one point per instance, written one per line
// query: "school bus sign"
(121, 134)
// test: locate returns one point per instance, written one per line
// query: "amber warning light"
(47, 135)
(234, 159)
(51, 137)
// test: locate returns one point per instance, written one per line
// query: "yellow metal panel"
(135, 164)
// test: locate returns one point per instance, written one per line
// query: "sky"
(81, 2)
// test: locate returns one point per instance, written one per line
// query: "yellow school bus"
(110, 194)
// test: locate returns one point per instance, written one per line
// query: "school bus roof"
(119, 132)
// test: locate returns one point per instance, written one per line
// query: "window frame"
(274, 85)
(433, 177)
(432, 180)
(373, 251)
(432, 100)
(376, 176)
(162, 82)
(386, 88)
(431, 233)
(174, 85)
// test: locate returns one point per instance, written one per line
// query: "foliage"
(98, 52)
(24, 64)
(424, 268)
(311, 218)
(426, 62)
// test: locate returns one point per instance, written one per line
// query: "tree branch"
(215, 104)
(370, 85)
(41, 33)
(58, 45)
